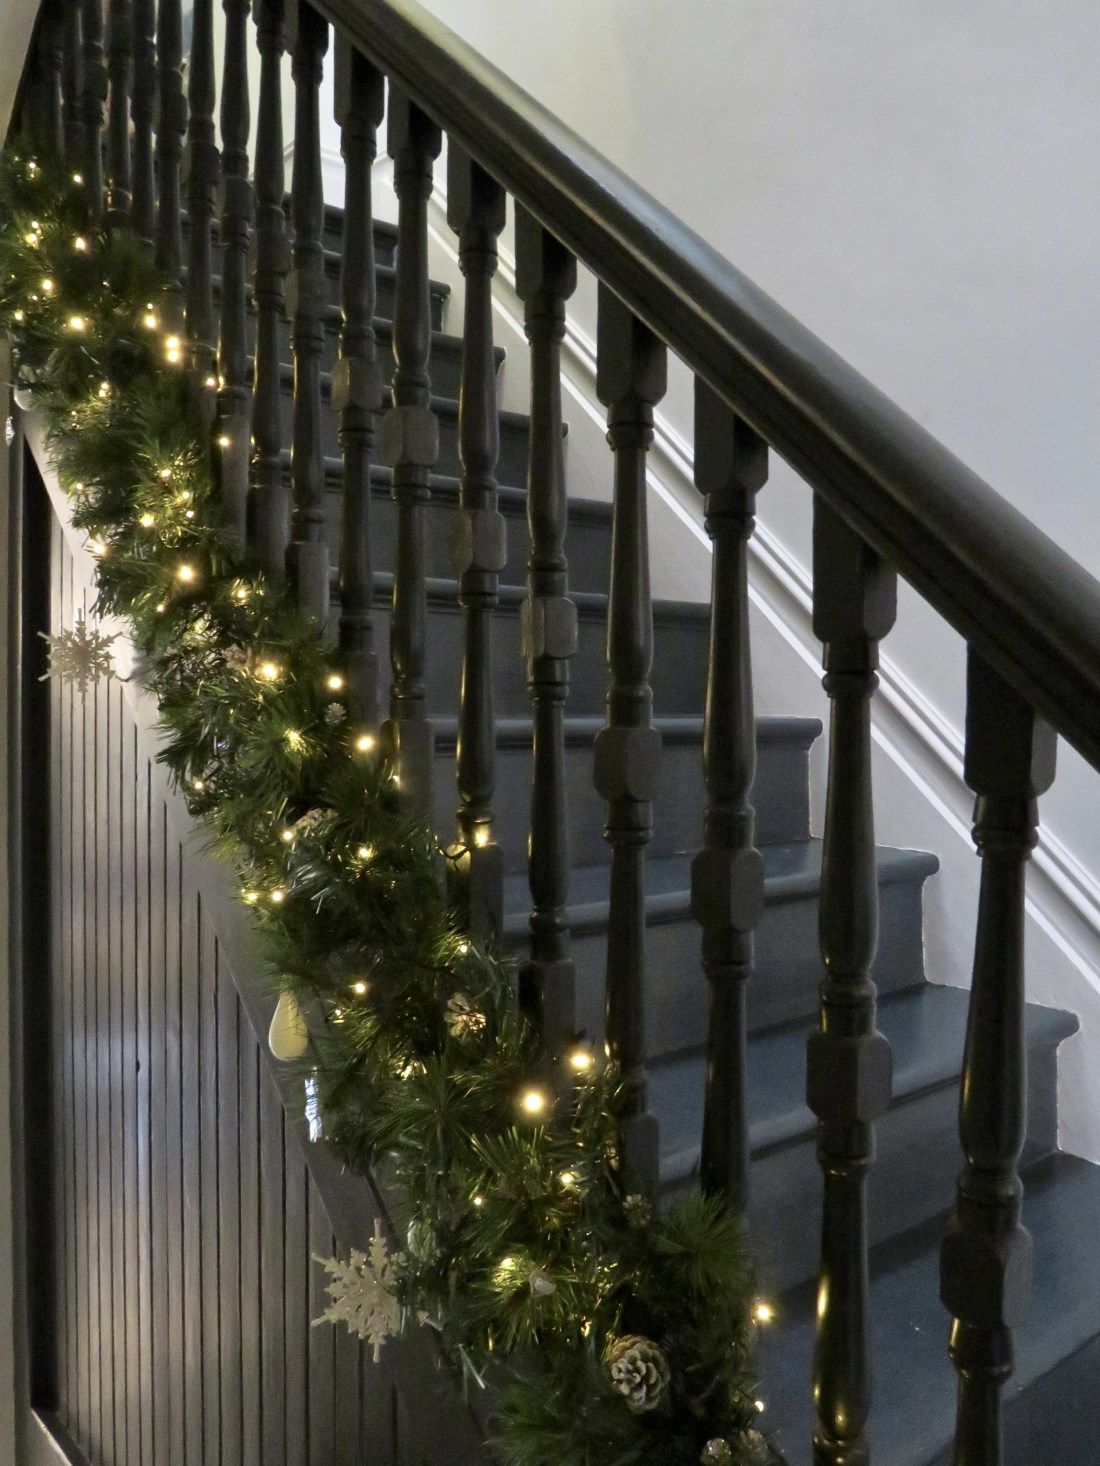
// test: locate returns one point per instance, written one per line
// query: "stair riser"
(783, 987)
(677, 812)
(511, 465)
(678, 674)
(588, 544)
(445, 365)
(912, 1181)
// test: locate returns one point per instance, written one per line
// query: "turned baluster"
(269, 502)
(143, 109)
(202, 185)
(410, 443)
(93, 102)
(307, 556)
(475, 211)
(45, 95)
(234, 395)
(120, 23)
(546, 276)
(985, 1269)
(357, 380)
(848, 1061)
(630, 381)
(72, 86)
(727, 877)
(171, 126)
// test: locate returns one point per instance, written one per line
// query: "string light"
(78, 179)
(482, 836)
(197, 784)
(479, 1200)
(361, 988)
(173, 350)
(278, 895)
(80, 244)
(20, 316)
(334, 682)
(241, 593)
(166, 474)
(97, 547)
(186, 573)
(270, 671)
(294, 739)
(147, 521)
(77, 323)
(365, 742)
(47, 286)
(533, 1102)
(161, 608)
(30, 238)
(104, 390)
(287, 837)
(150, 320)
(365, 852)
(568, 1179)
(249, 897)
(225, 442)
(581, 1060)
(211, 382)
(763, 1312)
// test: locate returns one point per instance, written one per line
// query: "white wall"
(920, 185)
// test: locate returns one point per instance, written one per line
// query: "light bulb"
(568, 1178)
(166, 474)
(97, 547)
(365, 852)
(211, 382)
(80, 244)
(287, 837)
(161, 608)
(334, 682)
(581, 1060)
(78, 179)
(224, 441)
(197, 784)
(278, 895)
(763, 1312)
(147, 521)
(533, 1101)
(479, 1201)
(482, 836)
(150, 320)
(360, 988)
(249, 897)
(365, 742)
(30, 238)
(47, 286)
(186, 573)
(20, 316)
(294, 739)
(269, 671)
(77, 323)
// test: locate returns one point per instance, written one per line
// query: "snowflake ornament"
(80, 656)
(362, 1291)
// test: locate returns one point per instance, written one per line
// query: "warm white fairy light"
(20, 316)
(147, 521)
(224, 441)
(47, 286)
(581, 1060)
(568, 1179)
(278, 895)
(211, 382)
(365, 742)
(77, 323)
(97, 547)
(161, 607)
(763, 1312)
(250, 897)
(197, 784)
(287, 837)
(104, 390)
(270, 671)
(533, 1102)
(294, 740)
(166, 473)
(78, 179)
(30, 238)
(479, 1201)
(360, 988)
(482, 836)
(365, 852)
(185, 573)
(334, 682)
(80, 244)
(150, 320)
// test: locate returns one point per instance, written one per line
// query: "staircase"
(888, 501)
(914, 1176)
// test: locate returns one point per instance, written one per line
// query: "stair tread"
(583, 727)
(926, 1027)
(790, 871)
(588, 602)
(914, 1397)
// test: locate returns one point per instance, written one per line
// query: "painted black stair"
(913, 1415)
(913, 1180)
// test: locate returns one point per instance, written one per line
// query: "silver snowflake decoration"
(363, 1291)
(335, 713)
(80, 656)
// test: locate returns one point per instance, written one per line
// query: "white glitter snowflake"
(80, 656)
(362, 1291)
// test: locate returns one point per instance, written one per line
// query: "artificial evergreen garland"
(614, 1333)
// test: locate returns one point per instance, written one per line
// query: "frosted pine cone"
(639, 1370)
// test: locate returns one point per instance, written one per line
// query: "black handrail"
(1003, 584)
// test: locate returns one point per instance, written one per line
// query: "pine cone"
(638, 1370)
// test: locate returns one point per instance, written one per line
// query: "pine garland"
(611, 1335)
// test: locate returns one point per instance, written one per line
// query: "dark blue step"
(784, 986)
(918, 1155)
(781, 791)
(912, 1417)
(681, 630)
(587, 535)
